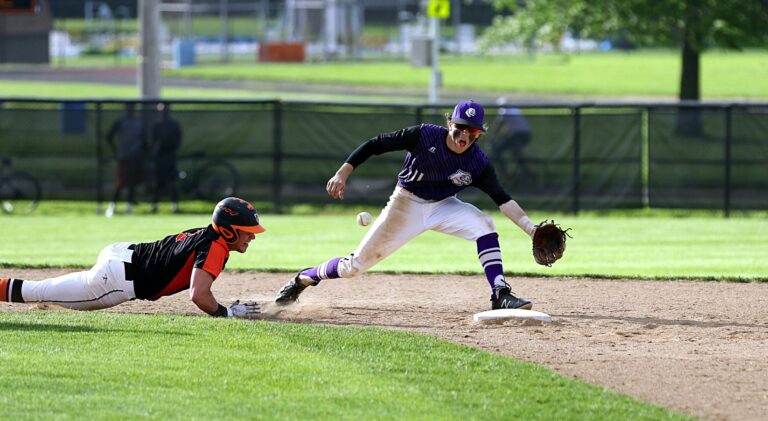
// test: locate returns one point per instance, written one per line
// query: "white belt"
(116, 251)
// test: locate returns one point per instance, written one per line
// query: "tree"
(692, 25)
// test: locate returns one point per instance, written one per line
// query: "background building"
(24, 35)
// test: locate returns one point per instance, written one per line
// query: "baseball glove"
(549, 242)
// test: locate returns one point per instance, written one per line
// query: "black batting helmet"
(232, 214)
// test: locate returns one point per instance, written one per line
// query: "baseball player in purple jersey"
(191, 259)
(440, 162)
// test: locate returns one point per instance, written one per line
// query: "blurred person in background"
(166, 140)
(129, 153)
(512, 133)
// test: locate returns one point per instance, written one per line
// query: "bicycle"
(19, 191)
(211, 180)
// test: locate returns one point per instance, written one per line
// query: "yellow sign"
(440, 9)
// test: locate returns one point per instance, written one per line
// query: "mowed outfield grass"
(642, 73)
(92, 91)
(69, 365)
(639, 74)
(603, 245)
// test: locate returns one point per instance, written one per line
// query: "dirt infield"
(695, 347)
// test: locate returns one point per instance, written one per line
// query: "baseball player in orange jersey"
(192, 260)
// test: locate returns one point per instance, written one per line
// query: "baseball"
(364, 218)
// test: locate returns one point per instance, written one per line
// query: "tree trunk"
(689, 76)
(689, 119)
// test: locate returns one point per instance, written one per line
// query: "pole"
(224, 17)
(456, 17)
(331, 29)
(728, 162)
(290, 16)
(99, 161)
(188, 20)
(264, 19)
(149, 57)
(576, 174)
(435, 82)
(277, 158)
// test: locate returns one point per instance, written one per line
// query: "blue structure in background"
(72, 117)
(183, 52)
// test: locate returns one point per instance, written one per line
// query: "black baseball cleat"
(289, 293)
(506, 299)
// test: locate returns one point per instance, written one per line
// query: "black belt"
(130, 269)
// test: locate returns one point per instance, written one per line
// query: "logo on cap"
(469, 113)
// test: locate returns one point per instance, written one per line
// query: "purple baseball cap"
(470, 113)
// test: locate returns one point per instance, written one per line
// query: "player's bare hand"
(335, 187)
(336, 184)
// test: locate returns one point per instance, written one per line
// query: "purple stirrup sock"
(327, 270)
(489, 253)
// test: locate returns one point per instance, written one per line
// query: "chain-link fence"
(574, 156)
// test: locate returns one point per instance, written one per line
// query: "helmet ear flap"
(229, 234)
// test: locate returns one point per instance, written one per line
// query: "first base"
(512, 313)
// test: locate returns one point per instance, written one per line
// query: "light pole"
(436, 80)
(436, 10)
(149, 55)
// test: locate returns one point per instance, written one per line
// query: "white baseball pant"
(405, 217)
(102, 286)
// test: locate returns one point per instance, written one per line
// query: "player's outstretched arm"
(200, 291)
(338, 182)
(516, 214)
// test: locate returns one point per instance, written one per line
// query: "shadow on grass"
(46, 327)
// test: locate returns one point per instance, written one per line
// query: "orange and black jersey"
(165, 266)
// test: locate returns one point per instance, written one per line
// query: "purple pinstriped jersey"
(433, 172)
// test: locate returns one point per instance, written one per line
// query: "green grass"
(210, 26)
(64, 90)
(612, 246)
(645, 73)
(641, 74)
(119, 366)
(98, 90)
